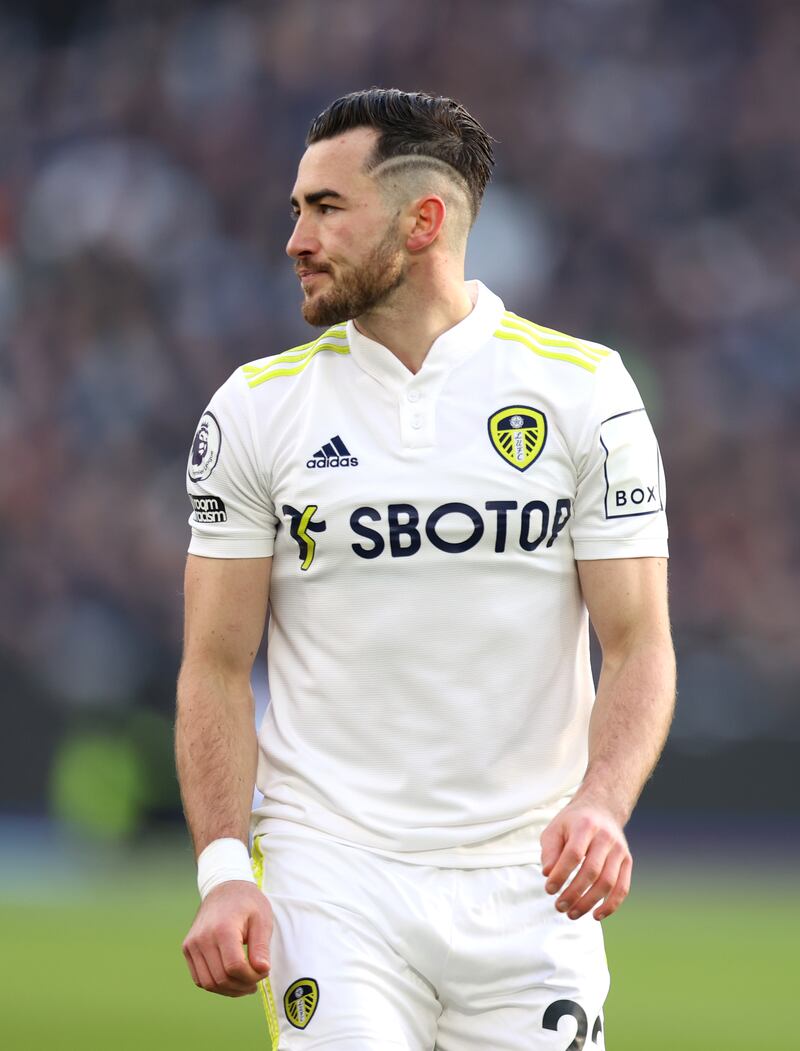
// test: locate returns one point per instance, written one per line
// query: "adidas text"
(334, 461)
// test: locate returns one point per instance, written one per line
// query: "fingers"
(258, 937)
(594, 881)
(200, 971)
(590, 873)
(210, 973)
(571, 853)
(585, 846)
(190, 964)
(235, 963)
(233, 915)
(553, 839)
(619, 892)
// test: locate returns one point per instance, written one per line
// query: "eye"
(293, 215)
(326, 208)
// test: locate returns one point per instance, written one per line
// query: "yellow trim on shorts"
(265, 986)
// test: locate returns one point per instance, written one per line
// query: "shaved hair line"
(415, 165)
(409, 162)
(414, 123)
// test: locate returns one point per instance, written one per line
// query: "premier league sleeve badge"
(205, 448)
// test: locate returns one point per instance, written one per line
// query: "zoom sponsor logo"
(208, 509)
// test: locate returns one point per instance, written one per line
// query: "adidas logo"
(333, 454)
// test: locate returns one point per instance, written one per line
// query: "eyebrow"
(316, 197)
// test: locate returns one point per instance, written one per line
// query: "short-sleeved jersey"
(428, 646)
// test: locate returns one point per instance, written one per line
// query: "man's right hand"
(234, 915)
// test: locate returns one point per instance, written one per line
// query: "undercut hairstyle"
(414, 130)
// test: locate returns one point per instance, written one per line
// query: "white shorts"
(373, 954)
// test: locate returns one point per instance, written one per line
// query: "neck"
(418, 313)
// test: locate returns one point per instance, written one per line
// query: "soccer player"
(431, 498)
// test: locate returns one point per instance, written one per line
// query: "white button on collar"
(413, 395)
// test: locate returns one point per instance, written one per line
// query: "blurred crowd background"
(647, 196)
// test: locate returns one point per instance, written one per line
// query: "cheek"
(345, 246)
(343, 260)
(350, 242)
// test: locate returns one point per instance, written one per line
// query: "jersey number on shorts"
(559, 1008)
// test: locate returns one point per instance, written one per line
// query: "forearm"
(584, 846)
(216, 752)
(629, 723)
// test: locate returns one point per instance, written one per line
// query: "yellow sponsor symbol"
(301, 527)
(300, 1002)
(518, 433)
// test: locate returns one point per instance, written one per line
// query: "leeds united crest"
(300, 1002)
(518, 433)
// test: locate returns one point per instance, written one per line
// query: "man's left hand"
(588, 836)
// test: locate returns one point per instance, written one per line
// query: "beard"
(360, 289)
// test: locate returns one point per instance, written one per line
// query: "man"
(430, 496)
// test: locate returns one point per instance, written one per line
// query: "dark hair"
(413, 123)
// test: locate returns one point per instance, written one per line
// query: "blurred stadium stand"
(647, 196)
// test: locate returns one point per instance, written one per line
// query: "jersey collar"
(448, 350)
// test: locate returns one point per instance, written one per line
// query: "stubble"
(360, 289)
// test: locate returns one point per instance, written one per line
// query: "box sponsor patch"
(633, 471)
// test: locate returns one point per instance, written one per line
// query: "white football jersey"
(428, 646)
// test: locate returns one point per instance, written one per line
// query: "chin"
(321, 313)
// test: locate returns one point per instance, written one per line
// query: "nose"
(303, 240)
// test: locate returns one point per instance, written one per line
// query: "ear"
(428, 216)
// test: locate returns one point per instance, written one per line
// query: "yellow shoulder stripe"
(519, 338)
(254, 369)
(284, 358)
(549, 337)
(293, 361)
(565, 348)
(293, 353)
(296, 368)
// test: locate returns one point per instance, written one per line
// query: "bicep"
(626, 599)
(225, 609)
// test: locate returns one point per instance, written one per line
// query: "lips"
(306, 274)
(308, 277)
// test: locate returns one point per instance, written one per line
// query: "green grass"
(698, 962)
(705, 962)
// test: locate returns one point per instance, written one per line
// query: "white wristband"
(221, 861)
